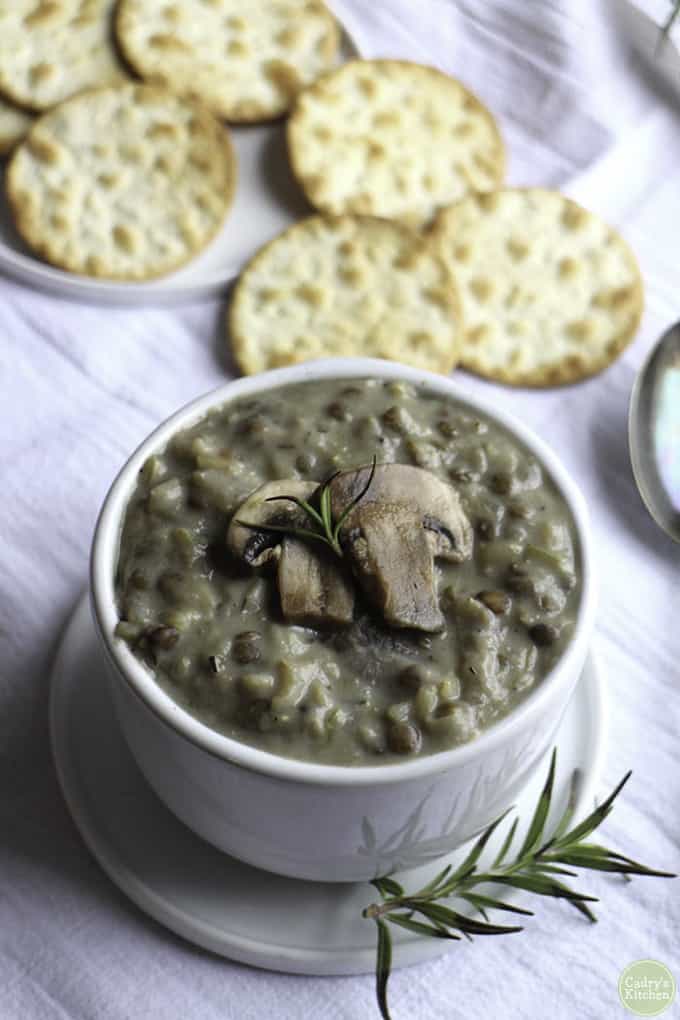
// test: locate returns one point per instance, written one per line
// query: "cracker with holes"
(392, 138)
(246, 61)
(124, 183)
(14, 123)
(345, 286)
(52, 49)
(550, 293)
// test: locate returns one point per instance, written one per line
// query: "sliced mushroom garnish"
(403, 519)
(256, 548)
(393, 562)
(314, 588)
(447, 528)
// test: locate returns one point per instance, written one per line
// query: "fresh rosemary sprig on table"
(325, 529)
(538, 867)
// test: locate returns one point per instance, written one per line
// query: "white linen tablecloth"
(81, 386)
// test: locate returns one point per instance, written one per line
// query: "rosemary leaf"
(584, 909)
(285, 530)
(461, 922)
(596, 863)
(507, 843)
(325, 507)
(432, 886)
(468, 865)
(357, 499)
(591, 848)
(595, 851)
(550, 869)
(479, 901)
(302, 503)
(432, 931)
(594, 819)
(387, 886)
(543, 885)
(383, 967)
(565, 820)
(535, 831)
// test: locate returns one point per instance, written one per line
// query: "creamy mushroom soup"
(347, 571)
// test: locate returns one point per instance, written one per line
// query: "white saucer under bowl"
(216, 901)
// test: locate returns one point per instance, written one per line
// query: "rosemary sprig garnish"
(539, 867)
(325, 529)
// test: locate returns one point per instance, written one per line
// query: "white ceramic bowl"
(326, 822)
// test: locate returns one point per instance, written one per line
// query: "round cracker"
(14, 124)
(392, 138)
(125, 183)
(247, 62)
(551, 294)
(51, 50)
(350, 285)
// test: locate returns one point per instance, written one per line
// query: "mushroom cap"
(256, 548)
(449, 532)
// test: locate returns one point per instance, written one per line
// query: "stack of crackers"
(417, 251)
(420, 254)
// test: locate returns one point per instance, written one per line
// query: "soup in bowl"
(344, 607)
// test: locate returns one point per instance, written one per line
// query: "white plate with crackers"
(267, 200)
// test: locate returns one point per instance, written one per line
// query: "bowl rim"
(140, 680)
